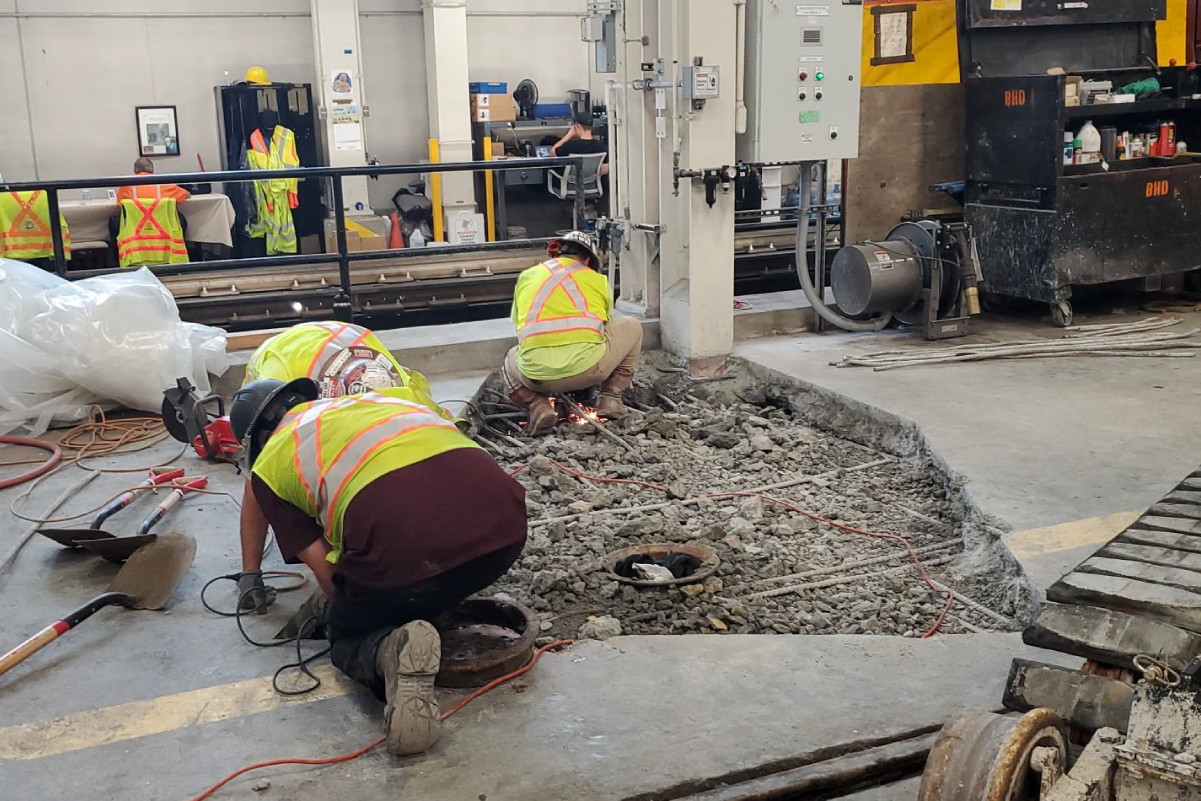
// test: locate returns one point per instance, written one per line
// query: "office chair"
(564, 185)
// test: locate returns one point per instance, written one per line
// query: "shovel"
(146, 581)
(72, 537)
(118, 549)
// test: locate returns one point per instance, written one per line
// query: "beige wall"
(87, 64)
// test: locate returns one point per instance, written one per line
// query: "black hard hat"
(260, 405)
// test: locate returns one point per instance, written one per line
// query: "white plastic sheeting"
(114, 340)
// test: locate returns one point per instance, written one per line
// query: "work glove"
(254, 594)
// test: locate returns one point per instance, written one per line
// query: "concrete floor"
(145, 704)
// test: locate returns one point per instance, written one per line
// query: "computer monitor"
(543, 151)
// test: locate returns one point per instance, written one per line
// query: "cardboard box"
(1071, 90)
(493, 107)
(355, 243)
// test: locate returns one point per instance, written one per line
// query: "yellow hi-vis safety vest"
(560, 302)
(343, 359)
(323, 453)
(150, 233)
(24, 232)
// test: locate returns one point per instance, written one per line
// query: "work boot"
(611, 406)
(540, 412)
(408, 658)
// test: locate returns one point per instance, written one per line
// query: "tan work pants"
(614, 371)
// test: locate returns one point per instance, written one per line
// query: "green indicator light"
(821, 76)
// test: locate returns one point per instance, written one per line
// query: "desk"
(210, 218)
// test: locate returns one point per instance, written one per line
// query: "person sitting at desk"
(148, 192)
(578, 141)
(145, 166)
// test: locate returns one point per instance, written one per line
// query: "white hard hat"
(581, 238)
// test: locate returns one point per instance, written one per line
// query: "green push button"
(821, 76)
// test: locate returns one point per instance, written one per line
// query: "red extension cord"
(356, 754)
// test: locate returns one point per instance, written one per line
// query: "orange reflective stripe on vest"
(341, 337)
(582, 320)
(324, 483)
(160, 241)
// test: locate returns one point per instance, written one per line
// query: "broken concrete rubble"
(781, 571)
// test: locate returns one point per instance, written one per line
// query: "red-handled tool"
(118, 549)
(72, 537)
(179, 489)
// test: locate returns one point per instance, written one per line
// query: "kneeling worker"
(399, 516)
(568, 338)
(343, 359)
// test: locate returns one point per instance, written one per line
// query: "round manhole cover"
(483, 639)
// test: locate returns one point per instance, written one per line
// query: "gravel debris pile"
(781, 572)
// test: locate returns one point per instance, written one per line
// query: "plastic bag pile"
(113, 340)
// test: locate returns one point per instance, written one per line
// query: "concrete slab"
(1039, 441)
(613, 720)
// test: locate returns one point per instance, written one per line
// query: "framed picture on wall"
(158, 133)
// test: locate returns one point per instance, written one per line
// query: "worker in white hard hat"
(568, 337)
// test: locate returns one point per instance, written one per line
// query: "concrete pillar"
(697, 253)
(340, 96)
(449, 101)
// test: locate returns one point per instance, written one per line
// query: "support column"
(697, 255)
(342, 102)
(449, 102)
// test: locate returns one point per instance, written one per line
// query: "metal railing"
(343, 306)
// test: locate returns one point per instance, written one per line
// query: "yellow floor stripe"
(251, 697)
(166, 713)
(1066, 536)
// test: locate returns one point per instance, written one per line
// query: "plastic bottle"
(1076, 148)
(1069, 148)
(1090, 144)
(416, 239)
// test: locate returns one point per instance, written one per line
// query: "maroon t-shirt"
(413, 523)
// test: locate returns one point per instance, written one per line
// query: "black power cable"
(306, 627)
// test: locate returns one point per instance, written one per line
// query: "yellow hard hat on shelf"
(257, 74)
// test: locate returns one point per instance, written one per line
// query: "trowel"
(145, 581)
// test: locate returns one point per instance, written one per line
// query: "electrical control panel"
(802, 80)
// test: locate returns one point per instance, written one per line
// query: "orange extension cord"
(356, 754)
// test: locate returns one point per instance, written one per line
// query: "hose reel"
(923, 273)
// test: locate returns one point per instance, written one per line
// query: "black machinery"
(923, 274)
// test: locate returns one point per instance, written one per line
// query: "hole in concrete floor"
(779, 571)
(662, 564)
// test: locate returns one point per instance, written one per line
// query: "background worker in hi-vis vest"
(567, 336)
(399, 515)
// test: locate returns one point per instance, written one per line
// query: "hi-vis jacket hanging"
(24, 230)
(275, 197)
(323, 453)
(557, 310)
(150, 233)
